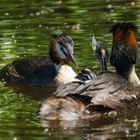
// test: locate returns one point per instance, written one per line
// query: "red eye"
(62, 49)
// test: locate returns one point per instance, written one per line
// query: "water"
(25, 30)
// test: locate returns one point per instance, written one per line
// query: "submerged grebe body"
(40, 71)
(109, 93)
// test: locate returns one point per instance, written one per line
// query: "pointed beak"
(71, 58)
(69, 54)
(93, 43)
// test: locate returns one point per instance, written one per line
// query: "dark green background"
(25, 28)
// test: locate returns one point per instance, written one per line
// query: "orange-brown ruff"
(124, 33)
(124, 52)
(108, 93)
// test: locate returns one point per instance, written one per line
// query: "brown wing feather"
(108, 90)
(34, 70)
(111, 90)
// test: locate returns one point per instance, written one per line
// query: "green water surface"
(25, 28)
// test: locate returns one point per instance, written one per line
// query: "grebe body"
(109, 93)
(41, 71)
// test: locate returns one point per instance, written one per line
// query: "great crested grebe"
(124, 54)
(40, 71)
(109, 93)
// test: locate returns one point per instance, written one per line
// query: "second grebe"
(124, 54)
(40, 71)
(107, 94)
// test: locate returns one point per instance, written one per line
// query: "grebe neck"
(130, 74)
(57, 66)
(133, 78)
(65, 73)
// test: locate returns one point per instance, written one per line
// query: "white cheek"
(59, 51)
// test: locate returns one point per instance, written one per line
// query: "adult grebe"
(109, 92)
(40, 71)
(124, 54)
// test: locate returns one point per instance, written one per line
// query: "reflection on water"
(37, 93)
(25, 30)
(101, 128)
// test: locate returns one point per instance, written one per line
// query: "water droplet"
(46, 130)
(14, 138)
(37, 13)
(109, 6)
(13, 35)
(127, 131)
(42, 12)
(133, 3)
(114, 20)
(7, 14)
(113, 130)
(124, 8)
(31, 14)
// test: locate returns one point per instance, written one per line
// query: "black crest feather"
(62, 38)
(124, 26)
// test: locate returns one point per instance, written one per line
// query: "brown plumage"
(109, 93)
(124, 52)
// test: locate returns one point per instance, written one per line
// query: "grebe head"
(124, 52)
(61, 49)
(101, 54)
